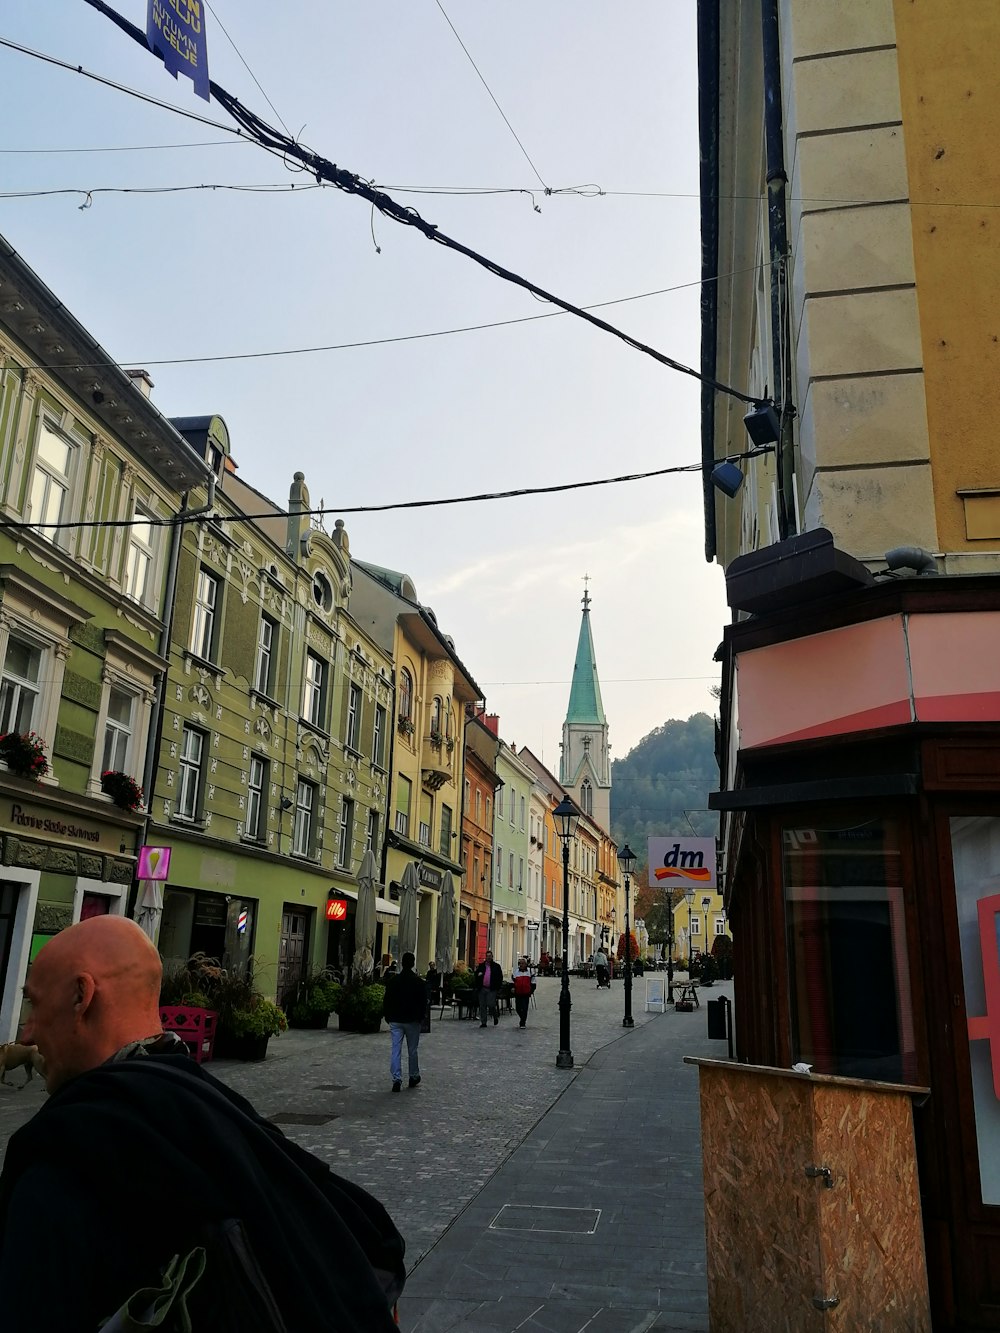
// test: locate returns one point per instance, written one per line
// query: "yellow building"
(433, 689)
(850, 183)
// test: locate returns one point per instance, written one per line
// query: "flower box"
(24, 754)
(123, 790)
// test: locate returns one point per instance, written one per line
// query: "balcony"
(435, 760)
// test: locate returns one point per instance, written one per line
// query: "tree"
(662, 784)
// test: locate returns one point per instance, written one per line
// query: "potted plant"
(314, 999)
(359, 1006)
(251, 1028)
(123, 790)
(436, 736)
(24, 754)
(405, 725)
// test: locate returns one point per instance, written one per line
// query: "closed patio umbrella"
(149, 909)
(444, 942)
(364, 920)
(409, 891)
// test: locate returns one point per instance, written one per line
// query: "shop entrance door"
(8, 910)
(292, 950)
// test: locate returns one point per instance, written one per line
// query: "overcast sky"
(597, 94)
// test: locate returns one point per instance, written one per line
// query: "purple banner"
(175, 30)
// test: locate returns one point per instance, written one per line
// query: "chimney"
(492, 723)
(141, 380)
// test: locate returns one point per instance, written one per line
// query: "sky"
(598, 95)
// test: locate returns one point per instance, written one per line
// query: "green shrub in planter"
(315, 999)
(261, 1019)
(359, 1007)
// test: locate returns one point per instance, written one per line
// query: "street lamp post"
(565, 815)
(670, 947)
(689, 895)
(626, 859)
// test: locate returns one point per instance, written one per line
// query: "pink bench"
(195, 1027)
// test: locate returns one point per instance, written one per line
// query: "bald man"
(140, 1154)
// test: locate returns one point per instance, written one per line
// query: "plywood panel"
(780, 1242)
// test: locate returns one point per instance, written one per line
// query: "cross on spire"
(586, 594)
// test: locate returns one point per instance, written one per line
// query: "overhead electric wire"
(492, 98)
(271, 140)
(180, 519)
(127, 148)
(247, 67)
(148, 362)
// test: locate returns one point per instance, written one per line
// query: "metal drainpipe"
(170, 589)
(777, 228)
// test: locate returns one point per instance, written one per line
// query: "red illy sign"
(336, 909)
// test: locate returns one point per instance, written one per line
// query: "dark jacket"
(122, 1168)
(496, 975)
(405, 998)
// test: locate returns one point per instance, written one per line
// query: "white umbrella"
(364, 918)
(149, 909)
(444, 942)
(408, 893)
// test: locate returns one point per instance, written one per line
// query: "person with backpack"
(145, 1180)
(523, 986)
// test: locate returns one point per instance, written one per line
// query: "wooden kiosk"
(812, 1211)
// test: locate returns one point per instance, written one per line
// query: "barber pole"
(241, 921)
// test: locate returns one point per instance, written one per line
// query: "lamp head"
(727, 478)
(566, 815)
(762, 424)
(286, 803)
(626, 859)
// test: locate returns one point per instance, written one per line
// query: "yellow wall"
(950, 95)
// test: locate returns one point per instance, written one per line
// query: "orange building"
(480, 783)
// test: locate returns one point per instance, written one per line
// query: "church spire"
(585, 692)
(585, 763)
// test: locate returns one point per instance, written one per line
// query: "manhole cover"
(300, 1118)
(531, 1217)
(331, 1087)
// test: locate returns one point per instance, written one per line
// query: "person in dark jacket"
(489, 979)
(403, 1008)
(140, 1155)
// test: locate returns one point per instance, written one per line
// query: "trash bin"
(812, 1205)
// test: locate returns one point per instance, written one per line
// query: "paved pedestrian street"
(530, 1197)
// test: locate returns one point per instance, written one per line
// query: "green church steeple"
(585, 692)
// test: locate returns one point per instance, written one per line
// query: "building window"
(424, 834)
(19, 687)
(192, 750)
(140, 557)
(302, 830)
(498, 862)
(371, 843)
(479, 806)
(513, 807)
(488, 804)
(521, 825)
(404, 791)
(468, 797)
(353, 737)
(446, 817)
(117, 731)
(436, 716)
(520, 874)
(510, 870)
(346, 833)
(203, 627)
(322, 591)
(405, 696)
(720, 925)
(314, 689)
(587, 797)
(256, 786)
(263, 681)
(50, 480)
(378, 738)
(500, 803)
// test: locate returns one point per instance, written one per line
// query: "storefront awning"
(387, 912)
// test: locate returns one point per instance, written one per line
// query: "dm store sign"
(682, 862)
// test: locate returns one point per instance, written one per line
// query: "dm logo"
(689, 860)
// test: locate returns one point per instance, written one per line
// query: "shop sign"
(336, 909)
(431, 877)
(681, 861)
(154, 863)
(38, 821)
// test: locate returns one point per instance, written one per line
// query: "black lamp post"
(626, 859)
(565, 815)
(689, 895)
(670, 946)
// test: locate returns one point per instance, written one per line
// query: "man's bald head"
(93, 988)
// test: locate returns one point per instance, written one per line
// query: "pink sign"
(154, 862)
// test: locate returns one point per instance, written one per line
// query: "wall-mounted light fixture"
(286, 803)
(763, 425)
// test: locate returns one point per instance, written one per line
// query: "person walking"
(489, 979)
(523, 986)
(403, 1008)
(103, 1199)
(601, 965)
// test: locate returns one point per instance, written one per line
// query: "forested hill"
(670, 771)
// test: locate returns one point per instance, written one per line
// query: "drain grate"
(540, 1217)
(300, 1118)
